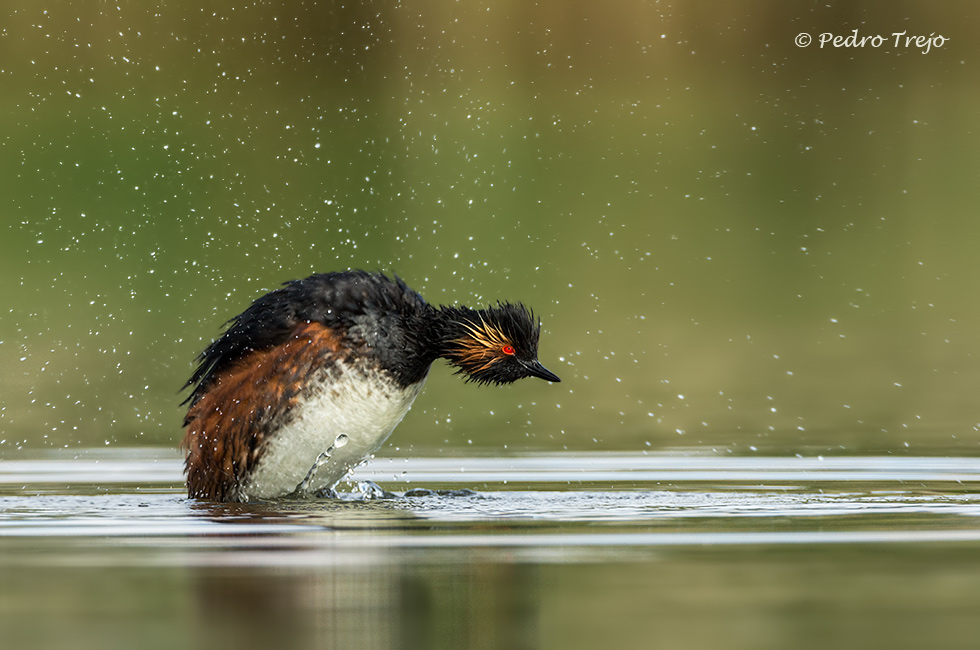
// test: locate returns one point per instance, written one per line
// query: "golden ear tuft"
(481, 347)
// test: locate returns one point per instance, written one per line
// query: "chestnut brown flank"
(228, 425)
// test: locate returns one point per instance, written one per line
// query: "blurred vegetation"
(731, 240)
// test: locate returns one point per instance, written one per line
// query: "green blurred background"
(732, 241)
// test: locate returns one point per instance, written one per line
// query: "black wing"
(334, 299)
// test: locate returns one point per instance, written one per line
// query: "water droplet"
(341, 440)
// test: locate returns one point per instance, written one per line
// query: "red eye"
(507, 349)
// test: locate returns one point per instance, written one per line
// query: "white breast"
(345, 420)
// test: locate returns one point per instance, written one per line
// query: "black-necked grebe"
(313, 377)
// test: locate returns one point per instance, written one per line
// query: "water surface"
(552, 550)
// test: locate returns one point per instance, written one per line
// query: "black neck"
(427, 336)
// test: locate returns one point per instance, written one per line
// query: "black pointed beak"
(535, 369)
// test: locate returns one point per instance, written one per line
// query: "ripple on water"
(538, 502)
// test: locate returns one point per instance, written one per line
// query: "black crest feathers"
(497, 345)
